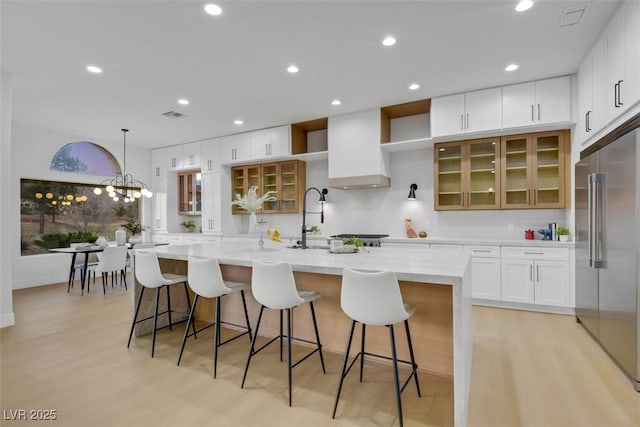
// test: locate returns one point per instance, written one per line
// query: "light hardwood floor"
(69, 353)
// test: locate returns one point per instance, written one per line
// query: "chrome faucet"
(303, 240)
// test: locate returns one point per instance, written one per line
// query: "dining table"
(74, 251)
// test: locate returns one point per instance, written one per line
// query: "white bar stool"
(274, 287)
(375, 299)
(148, 274)
(205, 280)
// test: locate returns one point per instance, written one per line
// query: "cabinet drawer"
(483, 251)
(447, 246)
(535, 253)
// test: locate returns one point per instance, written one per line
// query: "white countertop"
(418, 264)
(479, 241)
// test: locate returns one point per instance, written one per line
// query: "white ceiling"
(233, 66)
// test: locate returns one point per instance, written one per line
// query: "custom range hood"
(355, 157)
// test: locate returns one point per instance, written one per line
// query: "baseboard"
(7, 319)
(526, 307)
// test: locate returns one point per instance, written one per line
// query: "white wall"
(383, 210)
(6, 207)
(32, 149)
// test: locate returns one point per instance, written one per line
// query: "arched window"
(85, 157)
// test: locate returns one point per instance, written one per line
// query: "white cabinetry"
(485, 272)
(159, 188)
(536, 276)
(211, 153)
(211, 208)
(355, 156)
(591, 100)
(174, 158)
(236, 148)
(536, 103)
(273, 142)
(191, 156)
(622, 65)
(465, 113)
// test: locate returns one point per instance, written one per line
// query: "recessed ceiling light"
(511, 67)
(524, 5)
(238, 122)
(292, 69)
(93, 69)
(414, 86)
(336, 102)
(389, 41)
(183, 101)
(213, 9)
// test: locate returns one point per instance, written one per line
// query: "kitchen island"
(437, 281)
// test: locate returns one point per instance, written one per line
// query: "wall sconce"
(412, 192)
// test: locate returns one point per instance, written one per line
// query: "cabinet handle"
(266, 149)
(461, 121)
(530, 273)
(486, 251)
(534, 253)
(467, 127)
(157, 171)
(173, 162)
(620, 93)
(270, 150)
(615, 95)
(539, 117)
(532, 119)
(537, 273)
(587, 116)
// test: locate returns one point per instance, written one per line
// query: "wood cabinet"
(190, 193)
(533, 170)
(536, 103)
(467, 174)
(485, 272)
(287, 179)
(464, 113)
(535, 276)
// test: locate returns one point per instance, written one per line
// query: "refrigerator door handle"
(590, 213)
(599, 185)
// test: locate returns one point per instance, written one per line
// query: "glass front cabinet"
(467, 174)
(190, 193)
(533, 170)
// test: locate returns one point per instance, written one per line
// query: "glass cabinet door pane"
(198, 192)
(288, 187)
(238, 177)
(548, 170)
(449, 189)
(483, 174)
(270, 183)
(516, 183)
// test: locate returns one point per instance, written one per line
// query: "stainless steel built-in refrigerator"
(607, 209)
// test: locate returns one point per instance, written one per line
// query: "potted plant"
(563, 234)
(250, 202)
(315, 229)
(189, 225)
(134, 228)
(352, 244)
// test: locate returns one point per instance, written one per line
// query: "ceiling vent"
(173, 115)
(571, 15)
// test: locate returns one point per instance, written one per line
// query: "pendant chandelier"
(124, 186)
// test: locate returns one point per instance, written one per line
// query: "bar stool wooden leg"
(343, 373)
(396, 377)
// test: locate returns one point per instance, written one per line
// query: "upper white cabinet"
(158, 163)
(257, 145)
(591, 103)
(174, 157)
(355, 157)
(191, 156)
(211, 208)
(236, 148)
(464, 113)
(622, 65)
(536, 103)
(211, 154)
(273, 142)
